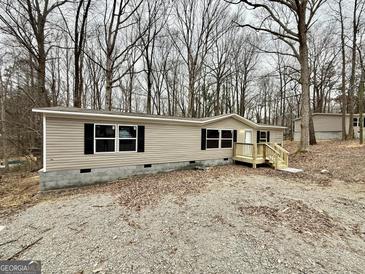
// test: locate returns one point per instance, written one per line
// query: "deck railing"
(245, 149)
(271, 152)
(284, 154)
(272, 155)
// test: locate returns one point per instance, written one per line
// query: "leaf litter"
(296, 215)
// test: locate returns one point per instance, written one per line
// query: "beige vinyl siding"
(276, 136)
(327, 123)
(232, 124)
(163, 143)
(326, 126)
(229, 123)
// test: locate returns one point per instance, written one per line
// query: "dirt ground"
(221, 220)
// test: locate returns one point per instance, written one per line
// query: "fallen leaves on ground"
(17, 191)
(296, 215)
(345, 161)
(140, 191)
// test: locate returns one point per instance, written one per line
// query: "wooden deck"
(261, 153)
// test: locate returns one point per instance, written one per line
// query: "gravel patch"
(209, 230)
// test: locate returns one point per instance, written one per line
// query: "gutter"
(233, 115)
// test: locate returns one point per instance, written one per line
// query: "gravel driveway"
(235, 223)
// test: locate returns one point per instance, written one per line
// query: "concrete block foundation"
(75, 178)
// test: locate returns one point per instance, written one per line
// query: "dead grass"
(296, 215)
(17, 191)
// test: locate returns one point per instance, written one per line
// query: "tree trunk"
(108, 84)
(77, 93)
(243, 99)
(130, 90)
(191, 112)
(79, 45)
(149, 89)
(41, 73)
(304, 79)
(67, 77)
(312, 134)
(3, 124)
(343, 74)
(217, 99)
(352, 78)
(361, 102)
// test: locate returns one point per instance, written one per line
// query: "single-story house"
(83, 146)
(328, 126)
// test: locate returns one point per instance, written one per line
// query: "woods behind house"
(269, 61)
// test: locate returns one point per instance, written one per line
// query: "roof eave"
(191, 122)
(105, 115)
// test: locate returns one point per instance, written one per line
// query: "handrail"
(273, 155)
(281, 148)
(270, 151)
(284, 154)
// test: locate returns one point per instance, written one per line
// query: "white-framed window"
(263, 137)
(127, 138)
(212, 138)
(219, 138)
(104, 138)
(115, 138)
(355, 122)
(226, 138)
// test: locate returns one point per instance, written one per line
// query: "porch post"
(254, 156)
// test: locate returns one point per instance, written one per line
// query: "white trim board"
(196, 122)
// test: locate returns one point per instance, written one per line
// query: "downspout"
(44, 143)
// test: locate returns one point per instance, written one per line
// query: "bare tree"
(279, 15)
(118, 21)
(196, 21)
(361, 99)
(79, 46)
(3, 132)
(219, 66)
(157, 15)
(26, 22)
(341, 20)
(358, 11)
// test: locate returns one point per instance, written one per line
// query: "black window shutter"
(140, 145)
(258, 137)
(203, 139)
(268, 136)
(89, 138)
(235, 136)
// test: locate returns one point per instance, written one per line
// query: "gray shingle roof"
(81, 111)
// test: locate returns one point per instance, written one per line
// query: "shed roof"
(148, 117)
(330, 115)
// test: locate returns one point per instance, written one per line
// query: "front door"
(248, 136)
(247, 147)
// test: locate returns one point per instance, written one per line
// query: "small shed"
(328, 126)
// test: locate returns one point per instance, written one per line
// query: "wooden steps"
(260, 153)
